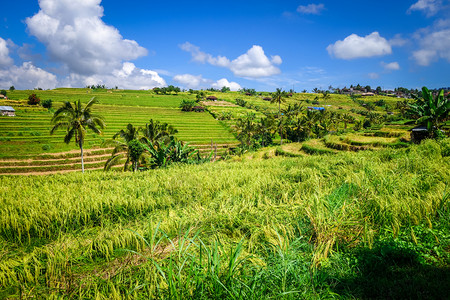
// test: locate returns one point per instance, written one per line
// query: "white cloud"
(5, 59)
(27, 76)
(429, 7)
(234, 86)
(191, 81)
(128, 77)
(397, 41)
(198, 82)
(355, 46)
(373, 75)
(253, 64)
(75, 35)
(393, 66)
(434, 43)
(311, 9)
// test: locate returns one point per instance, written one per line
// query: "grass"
(285, 227)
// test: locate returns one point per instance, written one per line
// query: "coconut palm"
(430, 110)
(129, 146)
(279, 97)
(155, 131)
(77, 120)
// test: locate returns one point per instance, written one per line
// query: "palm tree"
(77, 120)
(130, 145)
(430, 110)
(154, 132)
(279, 97)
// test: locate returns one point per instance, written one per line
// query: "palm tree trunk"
(82, 158)
(279, 117)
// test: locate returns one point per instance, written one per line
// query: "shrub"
(187, 105)
(33, 99)
(47, 103)
(46, 147)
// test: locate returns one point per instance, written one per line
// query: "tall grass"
(252, 229)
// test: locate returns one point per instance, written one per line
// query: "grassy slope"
(28, 133)
(354, 224)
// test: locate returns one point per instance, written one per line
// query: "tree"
(187, 105)
(77, 120)
(12, 88)
(430, 111)
(130, 145)
(33, 99)
(3, 92)
(47, 103)
(155, 132)
(279, 97)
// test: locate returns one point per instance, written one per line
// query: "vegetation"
(33, 99)
(77, 120)
(431, 111)
(350, 225)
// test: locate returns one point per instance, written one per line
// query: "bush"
(445, 147)
(46, 147)
(47, 103)
(33, 99)
(187, 105)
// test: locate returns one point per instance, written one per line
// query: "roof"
(7, 108)
(316, 108)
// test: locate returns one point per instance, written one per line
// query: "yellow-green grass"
(111, 97)
(60, 234)
(28, 132)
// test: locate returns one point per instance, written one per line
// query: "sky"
(259, 44)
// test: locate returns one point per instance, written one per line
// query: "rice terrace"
(252, 150)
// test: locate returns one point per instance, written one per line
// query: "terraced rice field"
(26, 137)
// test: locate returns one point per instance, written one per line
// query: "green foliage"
(47, 103)
(33, 99)
(77, 120)
(187, 105)
(3, 92)
(430, 110)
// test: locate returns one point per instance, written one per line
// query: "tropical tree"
(279, 97)
(77, 120)
(430, 110)
(130, 146)
(154, 132)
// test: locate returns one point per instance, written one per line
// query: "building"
(7, 111)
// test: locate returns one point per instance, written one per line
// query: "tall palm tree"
(77, 120)
(279, 97)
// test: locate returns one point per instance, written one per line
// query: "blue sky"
(201, 44)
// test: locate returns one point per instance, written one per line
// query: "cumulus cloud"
(234, 86)
(253, 64)
(393, 66)
(197, 82)
(429, 7)
(355, 46)
(127, 77)
(27, 76)
(191, 81)
(5, 59)
(434, 44)
(75, 35)
(311, 9)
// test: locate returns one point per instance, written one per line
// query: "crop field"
(348, 225)
(27, 135)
